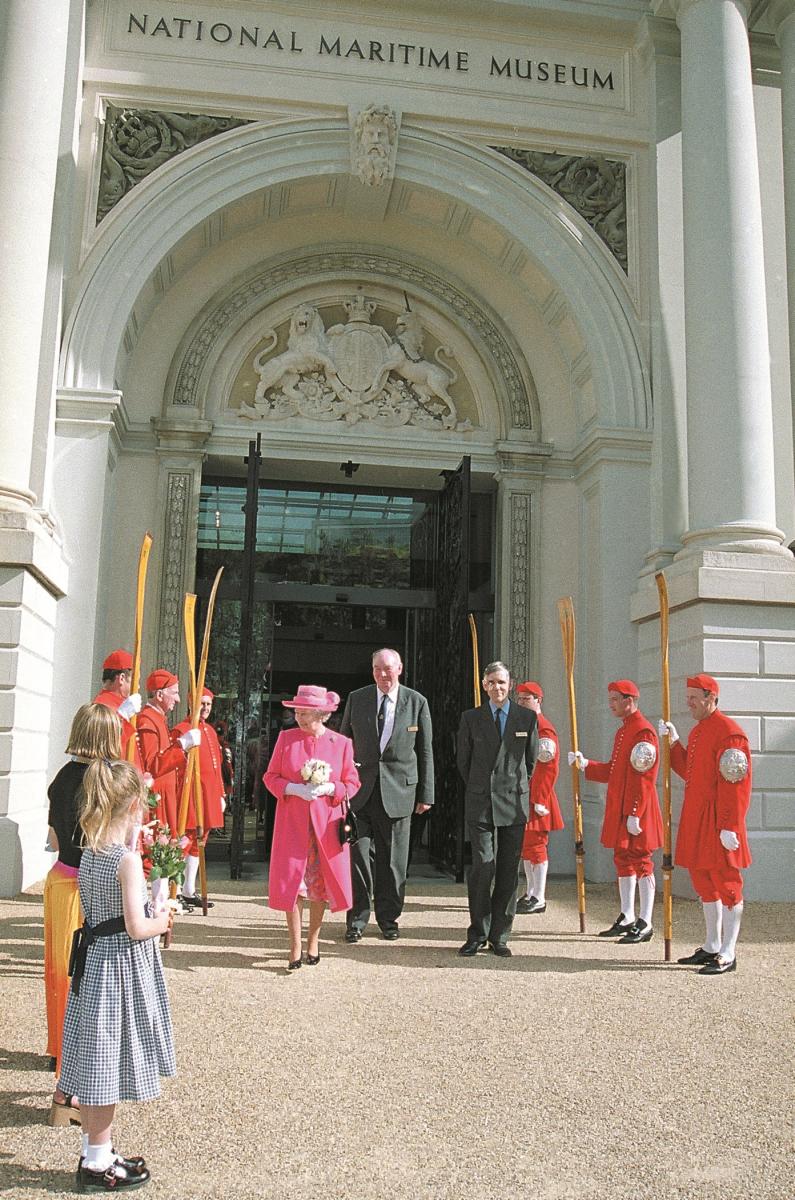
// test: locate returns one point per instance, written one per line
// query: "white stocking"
(540, 874)
(731, 928)
(646, 887)
(191, 871)
(99, 1158)
(528, 870)
(713, 911)
(626, 890)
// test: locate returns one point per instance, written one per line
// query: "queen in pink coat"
(308, 860)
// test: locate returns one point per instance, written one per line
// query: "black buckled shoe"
(718, 967)
(537, 906)
(525, 905)
(641, 931)
(196, 902)
(699, 958)
(618, 928)
(116, 1177)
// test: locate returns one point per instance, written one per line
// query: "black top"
(65, 793)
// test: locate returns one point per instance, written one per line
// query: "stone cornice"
(780, 11)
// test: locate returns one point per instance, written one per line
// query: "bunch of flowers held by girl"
(164, 859)
(311, 773)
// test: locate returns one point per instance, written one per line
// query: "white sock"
(99, 1158)
(713, 912)
(84, 1145)
(731, 928)
(540, 874)
(191, 871)
(528, 870)
(626, 890)
(647, 887)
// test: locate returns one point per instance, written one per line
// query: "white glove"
(223, 804)
(729, 840)
(299, 789)
(633, 826)
(190, 739)
(131, 706)
(542, 812)
(667, 727)
(323, 789)
(576, 756)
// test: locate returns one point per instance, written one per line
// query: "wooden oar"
(566, 617)
(665, 745)
(188, 624)
(135, 684)
(473, 633)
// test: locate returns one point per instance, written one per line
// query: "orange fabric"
(161, 758)
(534, 845)
(62, 916)
(721, 883)
(630, 793)
(113, 700)
(213, 789)
(542, 784)
(711, 803)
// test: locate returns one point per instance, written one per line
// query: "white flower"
(316, 771)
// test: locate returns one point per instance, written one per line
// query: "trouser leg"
(361, 871)
(391, 836)
(479, 879)
(503, 898)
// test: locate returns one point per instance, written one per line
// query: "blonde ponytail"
(109, 789)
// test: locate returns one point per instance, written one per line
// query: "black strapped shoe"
(617, 929)
(641, 931)
(698, 958)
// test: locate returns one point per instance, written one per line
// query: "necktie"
(381, 718)
(498, 722)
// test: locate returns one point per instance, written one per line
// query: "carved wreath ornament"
(354, 372)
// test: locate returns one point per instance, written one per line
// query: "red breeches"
(534, 845)
(628, 862)
(192, 848)
(721, 883)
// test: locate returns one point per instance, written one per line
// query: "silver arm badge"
(643, 756)
(547, 749)
(733, 765)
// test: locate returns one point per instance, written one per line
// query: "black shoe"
(618, 928)
(312, 959)
(718, 967)
(500, 950)
(133, 1165)
(698, 958)
(196, 902)
(392, 934)
(470, 949)
(53, 1063)
(353, 935)
(525, 905)
(294, 965)
(537, 906)
(112, 1180)
(640, 932)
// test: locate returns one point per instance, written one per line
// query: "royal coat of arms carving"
(355, 372)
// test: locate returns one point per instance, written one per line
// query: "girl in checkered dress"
(117, 1039)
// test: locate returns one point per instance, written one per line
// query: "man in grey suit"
(391, 730)
(497, 747)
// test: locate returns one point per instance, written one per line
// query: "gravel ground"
(577, 1068)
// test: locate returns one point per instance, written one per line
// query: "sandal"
(64, 1112)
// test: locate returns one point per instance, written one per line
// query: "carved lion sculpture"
(404, 358)
(307, 350)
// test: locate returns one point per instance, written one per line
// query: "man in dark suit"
(497, 747)
(391, 730)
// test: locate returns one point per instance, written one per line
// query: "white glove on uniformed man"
(633, 826)
(668, 727)
(541, 810)
(729, 840)
(131, 706)
(576, 756)
(189, 739)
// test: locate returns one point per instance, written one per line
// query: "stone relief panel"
(374, 145)
(594, 186)
(178, 498)
(355, 371)
(520, 585)
(137, 141)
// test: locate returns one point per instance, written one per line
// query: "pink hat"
(309, 695)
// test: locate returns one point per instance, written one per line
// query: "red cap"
(705, 682)
(625, 686)
(119, 660)
(160, 679)
(206, 692)
(530, 689)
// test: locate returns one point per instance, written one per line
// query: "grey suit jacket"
(405, 769)
(496, 773)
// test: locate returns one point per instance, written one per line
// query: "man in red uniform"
(115, 694)
(544, 808)
(633, 822)
(162, 757)
(213, 795)
(712, 841)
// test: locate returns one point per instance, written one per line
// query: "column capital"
(680, 8)
(779, 12)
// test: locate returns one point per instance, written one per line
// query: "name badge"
(413, 728)
(521, 733)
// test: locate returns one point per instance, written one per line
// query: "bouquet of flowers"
(315, 771)
(163, 854)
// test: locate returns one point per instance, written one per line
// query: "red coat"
(630, 793)
(113, 700)
(213, 789)
(542, 783)
(295, 816)
(711, 802)
(161, 758)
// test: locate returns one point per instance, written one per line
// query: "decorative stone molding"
(179, 494)
(374, 133)
(594, 186)
(138, 140)
(520, 584)
(215, 327)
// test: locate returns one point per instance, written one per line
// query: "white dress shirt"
(389, 713)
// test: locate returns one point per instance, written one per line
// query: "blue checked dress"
(117, 1040)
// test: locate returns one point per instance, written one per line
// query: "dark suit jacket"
(496, 773)
(405, 770)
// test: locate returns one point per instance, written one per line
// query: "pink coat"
(293, 815)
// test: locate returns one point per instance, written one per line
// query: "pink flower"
(184, 842)
(162, 840)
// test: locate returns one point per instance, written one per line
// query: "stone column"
(782, 14)
(729, 406)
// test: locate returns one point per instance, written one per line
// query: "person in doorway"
(115, 694)
(213, 796)
(392, 738)
(311, 773)
(632, 825)
(497, 750)
(544, 808)
(712, 841)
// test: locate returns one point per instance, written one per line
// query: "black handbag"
(348, 826)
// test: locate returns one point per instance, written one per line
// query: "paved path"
(397, 1070)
